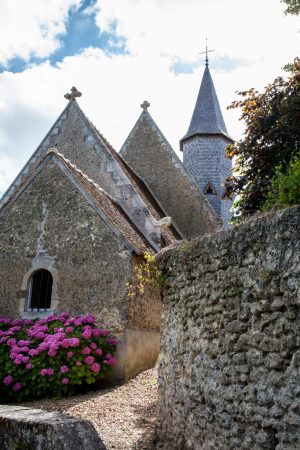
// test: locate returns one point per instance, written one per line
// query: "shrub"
(285, 187)
(52, 357)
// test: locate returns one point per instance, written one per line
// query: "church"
(79, 218)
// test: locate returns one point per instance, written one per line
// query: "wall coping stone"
(44, 430)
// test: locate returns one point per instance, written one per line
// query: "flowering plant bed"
(52, 357)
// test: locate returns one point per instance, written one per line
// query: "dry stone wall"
(229, 375)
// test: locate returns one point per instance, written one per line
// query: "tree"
(285, 187)
(272, 138)
(293, 6)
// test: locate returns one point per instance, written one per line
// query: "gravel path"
(124, 416)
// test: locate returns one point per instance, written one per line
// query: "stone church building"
(79, 217)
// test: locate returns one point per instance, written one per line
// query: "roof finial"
(145, 105)
(74, 93)
(206, 54)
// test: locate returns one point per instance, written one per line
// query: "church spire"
(204, 147)
(207, 117)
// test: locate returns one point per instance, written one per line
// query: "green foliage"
(293, 6)
(147, 274)
(272, 138)
(285, 187)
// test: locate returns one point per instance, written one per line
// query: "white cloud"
(256, 33)
(32, 27)
(8, 171)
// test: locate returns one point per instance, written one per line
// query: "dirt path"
(123, 416)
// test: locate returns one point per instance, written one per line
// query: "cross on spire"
(206, 54)
(74, 93)
(145, 105)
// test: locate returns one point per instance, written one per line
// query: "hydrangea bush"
(51, 357)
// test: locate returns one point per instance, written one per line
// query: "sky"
(119, 53)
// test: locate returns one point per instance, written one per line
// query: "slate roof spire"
(207, 117)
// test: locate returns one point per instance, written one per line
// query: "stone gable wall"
(52, 226)
(230, 350)
(75, 138)
(151, 157)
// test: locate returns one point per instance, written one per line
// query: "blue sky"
(81, 32)
(121, 52)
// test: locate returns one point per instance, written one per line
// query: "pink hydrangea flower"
(95, 367)
(86, 351)
(29, 366)
(25, 359)
(74, 342)
(65, 343)
(93, 345)
(96, 332)
(17, 361)
(78, 363)
(32, 352)
(23, 343)
(17, 387)
(111, 361)
(59, 330)
(8, 380)
(65, 380)
(69, 329)
(70, 354)
(45, 372)
(87, 334)
(89, 359)
(52, 352)
(111, 341)
(89, 319)
(99, 351)
(64, 369)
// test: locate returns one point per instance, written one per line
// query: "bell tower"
(203, 147)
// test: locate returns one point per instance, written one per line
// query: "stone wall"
(52, 226)
(230, 350)
(34, 429)
(81, 252)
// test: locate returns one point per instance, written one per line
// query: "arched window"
(40, 290)
(209, 189)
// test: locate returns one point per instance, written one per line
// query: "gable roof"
(110, 211)
(136, 149)
(126, 181)
(207, 117)
(169, 234)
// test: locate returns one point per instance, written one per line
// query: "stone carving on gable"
(73, 94)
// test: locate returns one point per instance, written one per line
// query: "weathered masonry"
(25, 428)
(66, 245)
(229, 375)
